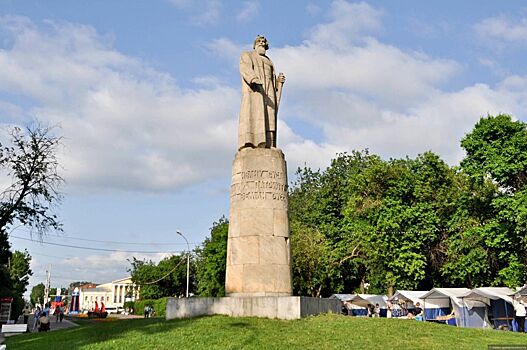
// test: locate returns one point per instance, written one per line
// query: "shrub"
(159, 305)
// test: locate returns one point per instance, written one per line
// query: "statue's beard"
(260, 50)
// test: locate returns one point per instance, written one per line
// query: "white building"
(113, 294)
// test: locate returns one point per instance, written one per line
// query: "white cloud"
(226, 49)
(125, 125)
(374, 69)
(249, 10)
(503, 28)
(130, 127)
(202, 12)
(368, 94)
(97, 268)
(349, 22)
(313, 9)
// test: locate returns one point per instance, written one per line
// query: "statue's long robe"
(258, 108)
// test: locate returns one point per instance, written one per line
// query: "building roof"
(126, 280)
(96, 290)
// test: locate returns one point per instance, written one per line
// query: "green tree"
(497, 158)
(37, 294)
(30, 161)
(19, 272)
(211, 261)
(497, 148)
(164, 279)
(314, 263)
(318, 201)
(366, 219)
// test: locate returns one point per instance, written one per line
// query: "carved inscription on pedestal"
(259, 184)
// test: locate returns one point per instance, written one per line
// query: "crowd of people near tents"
(486, 307)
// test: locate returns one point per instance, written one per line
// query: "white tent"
(412, 296)
(342, 297)
(522, 291)
(404, 300)
(357, 304)
(364, 299)
(498, 303)
(485, 294)
(439, 302)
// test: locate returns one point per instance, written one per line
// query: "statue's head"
(261, 39)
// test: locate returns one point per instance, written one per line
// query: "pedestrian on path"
(58, 313)
(26, 312)
(519, 309)
(147, 311)
(36, 316)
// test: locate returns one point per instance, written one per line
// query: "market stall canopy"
(413, 296)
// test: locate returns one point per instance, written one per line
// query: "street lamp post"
(188, 257)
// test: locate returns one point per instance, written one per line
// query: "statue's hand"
(281, 78)
(256, 84)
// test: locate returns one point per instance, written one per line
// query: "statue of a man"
(261, 90)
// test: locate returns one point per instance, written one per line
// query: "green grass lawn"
(221, 332)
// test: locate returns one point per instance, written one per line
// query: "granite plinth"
(280, 307)
(258, 251)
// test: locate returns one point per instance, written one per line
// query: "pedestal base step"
(281, 307)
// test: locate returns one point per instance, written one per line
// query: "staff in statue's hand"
(280, 80)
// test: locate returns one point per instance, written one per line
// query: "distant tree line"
(398, 223)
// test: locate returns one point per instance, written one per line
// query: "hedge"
(159, 305)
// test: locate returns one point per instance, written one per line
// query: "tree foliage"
(32, 164)
(29, 161)
(164, 279)
(415, 223)
(211, 261)
(497, 157)
(19, 272)
(383, 221)
(37, 294)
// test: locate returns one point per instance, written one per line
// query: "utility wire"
(98, 249)
(52, 256)
(165, 276)
(117, 242)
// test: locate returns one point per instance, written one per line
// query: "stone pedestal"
(258, 251)
(284, 308)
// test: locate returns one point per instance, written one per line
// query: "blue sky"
(146, 95)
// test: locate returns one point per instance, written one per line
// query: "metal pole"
(188, 258)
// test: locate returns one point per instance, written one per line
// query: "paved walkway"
(53, 325)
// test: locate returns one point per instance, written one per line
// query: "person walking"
(36, 316)
(26, 312)
(147, 311)
(519, 310)
(58, 314)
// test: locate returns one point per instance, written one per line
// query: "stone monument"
(258, 275)
(258, 252)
